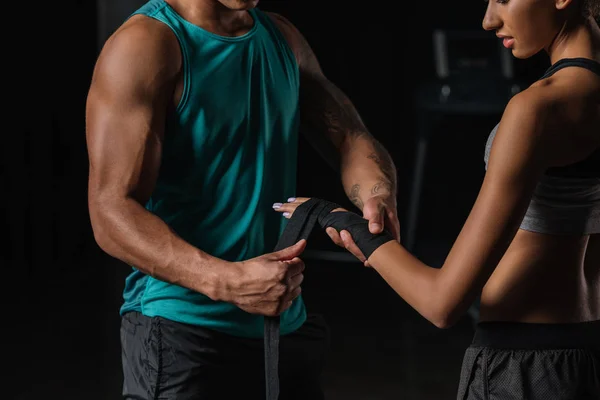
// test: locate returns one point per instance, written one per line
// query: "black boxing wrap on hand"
(320, 211)
(358, 227)
(304, 219)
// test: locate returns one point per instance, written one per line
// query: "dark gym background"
(63, 292)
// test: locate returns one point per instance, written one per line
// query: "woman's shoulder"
(558, 115)
(533, 107)
(571, 93)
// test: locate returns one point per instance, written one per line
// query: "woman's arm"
(521, 151)
(523, 148)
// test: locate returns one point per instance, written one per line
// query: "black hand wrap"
(358, 227)
(305, 217)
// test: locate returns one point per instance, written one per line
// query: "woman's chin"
(522, 54)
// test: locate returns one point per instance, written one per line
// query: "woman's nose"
(491, 21)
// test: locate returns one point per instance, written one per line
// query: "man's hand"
(381, 211)
(268, 284)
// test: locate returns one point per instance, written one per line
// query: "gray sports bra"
(566, 200)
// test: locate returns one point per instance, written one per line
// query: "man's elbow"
(100, 218)
(100, 231)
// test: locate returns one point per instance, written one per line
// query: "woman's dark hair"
(591, 8)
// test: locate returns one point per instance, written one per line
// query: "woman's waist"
(540, 298)
(540, 309)
(545, 256)
(537, 336)
(541, 278)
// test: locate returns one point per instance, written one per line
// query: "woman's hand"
(382, 214)
(287, 209)
(342, 239)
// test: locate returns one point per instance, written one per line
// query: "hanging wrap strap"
(299, 226)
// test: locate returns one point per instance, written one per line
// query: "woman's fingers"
(287, 209)
(335, 236)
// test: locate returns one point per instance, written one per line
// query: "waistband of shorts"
(532, 336)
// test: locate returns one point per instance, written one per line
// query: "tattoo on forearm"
(327, 113)
(382, 187)
(354, 198)
(325, 108)
(382, 158)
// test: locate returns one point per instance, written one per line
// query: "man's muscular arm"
(129, 97)
(365, 165)
(367, 170)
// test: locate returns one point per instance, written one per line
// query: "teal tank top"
(229, 153)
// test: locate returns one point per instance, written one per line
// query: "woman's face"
(525, 26)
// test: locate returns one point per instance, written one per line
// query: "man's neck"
(213, 16)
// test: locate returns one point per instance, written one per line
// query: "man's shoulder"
(283, 24)
(143, 38)
(276, 17)
(140, 52)
(141, 28)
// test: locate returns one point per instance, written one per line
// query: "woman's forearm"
(417, 283)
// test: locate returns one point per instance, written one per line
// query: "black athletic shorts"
(163, 359)
(517, 361)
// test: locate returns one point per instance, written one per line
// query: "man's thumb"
(375, 216)
(290, 252)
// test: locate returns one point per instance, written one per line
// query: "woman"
(531, 244)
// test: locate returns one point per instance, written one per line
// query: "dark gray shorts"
(163, 359)
(518, 361)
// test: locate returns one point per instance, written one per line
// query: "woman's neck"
(578, 37)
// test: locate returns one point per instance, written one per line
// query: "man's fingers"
(290, 252)
(295, 267)
(374, 212)
(295, 281)
(289, 299)
(295, 293)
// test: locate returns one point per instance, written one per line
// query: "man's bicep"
(125, 116)
(123, 146)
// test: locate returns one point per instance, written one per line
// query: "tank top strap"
(580, 62)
